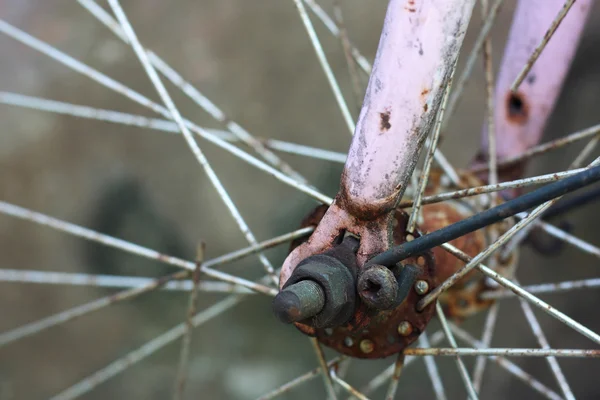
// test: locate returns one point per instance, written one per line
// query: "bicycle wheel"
(114, 181)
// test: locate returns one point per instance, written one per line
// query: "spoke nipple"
(366, 346)
(405, 328)
(299, 301)
(421, 287)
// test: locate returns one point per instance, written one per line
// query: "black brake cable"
(487, 217)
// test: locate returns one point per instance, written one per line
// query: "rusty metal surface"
(374, 333)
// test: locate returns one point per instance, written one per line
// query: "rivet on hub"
(421, 287)
(366, 346)
(348, 341)
(405, 328)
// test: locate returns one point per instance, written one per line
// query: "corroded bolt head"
(421, 287)
(405, 328)
(366, 346)
(378, 287)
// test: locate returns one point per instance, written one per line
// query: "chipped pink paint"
(519, 130)
(418, 48)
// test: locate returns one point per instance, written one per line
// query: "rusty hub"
(373, 333)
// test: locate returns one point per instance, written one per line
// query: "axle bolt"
(299, 301)
(421, 287)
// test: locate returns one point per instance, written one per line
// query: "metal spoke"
(121, 364)
(507, 352)
(59, 107)
(506, 364)
(545, 288)
(299, 380)
(354, 392)
(471, 58)
(186, 341)
(433, 142)
(479, 190)
(540, 47)
(83, 309)
(398, 367)
(519, 291)
(545, 147)
(324, 370)
(568, 238)
(195, 94)
(144, 101)
(432, 370)
(388, 373)
(124, 245)
(347, 47)
(335, 88)
(335, 31)
(486, 340)
(543, 342)
(464, 374)
(189, 138)
(491, 127)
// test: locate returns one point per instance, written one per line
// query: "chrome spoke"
(299, 380)
(545, 288)
(88, 234)
(398, 367)
(491, 127)
(346, 386)
(508, 365)
(335, 88)
(506, 352)
(486, 340)
(335, 31)
(144, 101)
(432, 370)
(543, 342)
(519, 291)
(123, 363)
(471, 58)
(464, 374)
(324, 370)
(189, 138)
(540, 47)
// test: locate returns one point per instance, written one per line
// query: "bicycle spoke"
(464, 374)
(433, 142)
(299, 380)
(486, 340)
(195, 95)
(545, 147)
(432, 370)
(186, 340)
(398, 367)
(124, 245)
(387, 374)
(83, 309)
(491, 127)
(507, 352)
(519, 291)
(121, 364)
(543, 342)
(569, 238)
(144, 101)
(336, 31)
(506, 364)
(471, 58)
(350, 61)
(335, 88)
(112, 281)
(540, 47)
(324, 370)
(478, 190)
(545, 288)
(346, 386)
(189, 138)
(502, 240)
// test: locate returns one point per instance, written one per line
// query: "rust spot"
(384, 122)
(517, 108)
(411, 6)
(425, 107)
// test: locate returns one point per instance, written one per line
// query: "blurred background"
(254, 60)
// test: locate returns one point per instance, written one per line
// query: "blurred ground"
(253, 59)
